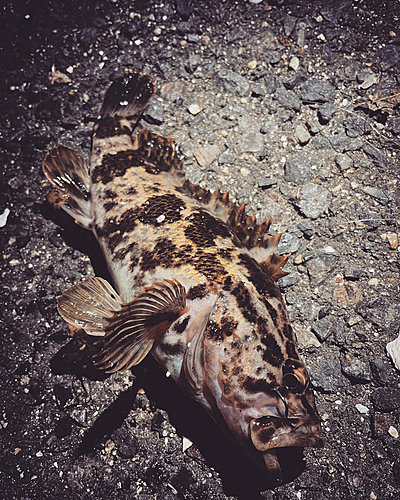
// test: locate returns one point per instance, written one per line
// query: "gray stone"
(395, 125)
(326, 112)
(298, 170)
(356, 371)
(289, 243)
(237, 33)
(205, 156)
(380, 370)
(353, 273)
(324, 328)
(320, 266)
(270, 128)
(249, 124)
(382, 312)
(259, 91)
(343, 162)
(353, 145)
(332, 11)
(287, 99)
(314, 200)
(327, 376)
(338, 142)
(384, 197)
(306, 228)
(264, 154)
(389, 56)
(154, 112)
(289, 280)
(272, 57)
(229, 81)
(292, 81)
(315, 91)
(386, 399)
(266, 182)
(227, 157)
(251, 142)
(374, 152)
(288, 24)
(356, 126)
(302, 134)
(192, 38)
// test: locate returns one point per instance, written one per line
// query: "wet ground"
(294, 107)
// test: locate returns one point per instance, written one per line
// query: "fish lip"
(285, 432)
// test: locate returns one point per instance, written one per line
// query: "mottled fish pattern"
(195, 281)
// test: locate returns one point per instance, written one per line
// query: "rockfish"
(194, 277)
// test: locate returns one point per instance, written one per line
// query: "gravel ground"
(293, 107)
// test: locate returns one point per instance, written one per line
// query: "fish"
(194, 281)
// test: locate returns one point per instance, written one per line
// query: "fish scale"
(195, 282)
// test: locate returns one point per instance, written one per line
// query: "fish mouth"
(270, 432)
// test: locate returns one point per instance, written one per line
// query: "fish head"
(260, 385)
(289, 419)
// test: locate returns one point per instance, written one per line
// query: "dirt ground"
(293, 107)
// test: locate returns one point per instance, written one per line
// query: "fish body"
(195, 282)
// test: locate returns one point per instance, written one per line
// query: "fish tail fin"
(65, 169)
(123, 104)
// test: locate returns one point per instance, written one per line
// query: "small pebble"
(294, 63)
(70, 69)
(186, 443)
(362, 409)
(393, 432)
(3, 217)
(194, 109)
(373, 282)
(252, 64)
(244, 171)
(393, 240)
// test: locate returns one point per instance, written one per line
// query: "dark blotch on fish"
(204, 228)
(273, 353)
(111, 126)
(197, 292)
(115, 166)
(260, 279)
(180, 326)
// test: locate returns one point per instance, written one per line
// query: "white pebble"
(70, 69)
(186, 443)
(329, 250)
(362, 409)
(393, 432)
(160, 219)
(244, 171)
(194, 109)
(3, 217)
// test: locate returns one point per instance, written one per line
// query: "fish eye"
(294, 377)
(290, 381)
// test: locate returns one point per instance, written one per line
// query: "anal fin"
(66, 171)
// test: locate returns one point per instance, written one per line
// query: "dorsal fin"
(159, 153)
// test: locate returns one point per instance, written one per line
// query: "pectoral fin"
(132, 330)
(129, 330)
